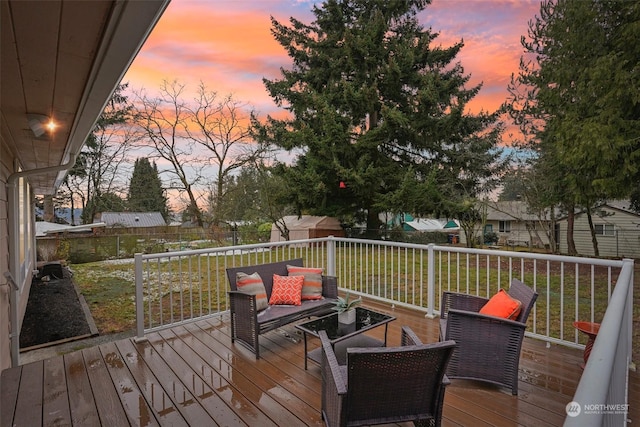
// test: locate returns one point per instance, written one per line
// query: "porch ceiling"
(63, 59)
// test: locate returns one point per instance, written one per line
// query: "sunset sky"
(228, 45)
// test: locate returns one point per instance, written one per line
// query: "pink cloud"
(228, 45)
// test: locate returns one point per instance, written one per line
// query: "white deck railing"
(602, 396)
(175, 287)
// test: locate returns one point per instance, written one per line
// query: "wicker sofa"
(247, 323)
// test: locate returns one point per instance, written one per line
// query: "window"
(488, 228)
(605, 230)
(505, 226)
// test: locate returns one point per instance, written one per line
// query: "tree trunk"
(592, 229)
(551, 232)
(195, 211)
(469, 229)
(48, 212)
(72, 216)
(373, 223)
(571, 244)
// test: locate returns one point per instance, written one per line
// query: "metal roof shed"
(132, 219)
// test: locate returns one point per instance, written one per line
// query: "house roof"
(44, 228)
(426, 224)
(622, 205)
(513, 210)
(132, 219)
(63, 60)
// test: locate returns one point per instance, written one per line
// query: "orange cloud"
(229, 46)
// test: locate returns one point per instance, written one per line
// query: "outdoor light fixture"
(39, 124)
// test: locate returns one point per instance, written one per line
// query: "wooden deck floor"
(193, 375)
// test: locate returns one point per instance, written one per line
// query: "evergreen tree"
(576, 97)
(105, 202)
(145, 189)
(98, 167)
(379, 115)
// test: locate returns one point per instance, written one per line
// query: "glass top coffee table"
(343, 336)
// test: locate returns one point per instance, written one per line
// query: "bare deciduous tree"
(164, 120)
(221, 127)
(103, 162)
(208, 134)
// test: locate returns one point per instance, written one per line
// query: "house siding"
(519, 235)
(24, 276)
(625, 243)
(6, 161)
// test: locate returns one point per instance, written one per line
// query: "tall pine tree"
(578, 99)
(145, 190)
(379, 115)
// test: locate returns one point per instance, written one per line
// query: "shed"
(308, 227)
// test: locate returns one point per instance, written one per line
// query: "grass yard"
(109, 290)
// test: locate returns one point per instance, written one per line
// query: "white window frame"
(607, 230)
(504, 226)
(25, 230)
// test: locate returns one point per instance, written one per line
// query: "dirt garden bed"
(55, 313)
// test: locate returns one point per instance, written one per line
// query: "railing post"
(139, 298)
(629, 317)
(431, 281)
(331, 256)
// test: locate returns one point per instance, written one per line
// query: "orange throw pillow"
(286, 290)
(502, 305)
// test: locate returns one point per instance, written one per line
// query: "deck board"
(110, 409)
(133, 401)
(29, 403)
(55, 408)
(222, 396)
(82, 403)
(193, 375)
(9, 394)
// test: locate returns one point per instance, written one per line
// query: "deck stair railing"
(177, 287)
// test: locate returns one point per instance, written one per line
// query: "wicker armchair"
(381, 385)
(488, 348)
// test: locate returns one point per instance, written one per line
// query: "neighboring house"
(60, 61)
(514, 224)
(131, 219)
(308, 227)
(617, 230)
(48, 237)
